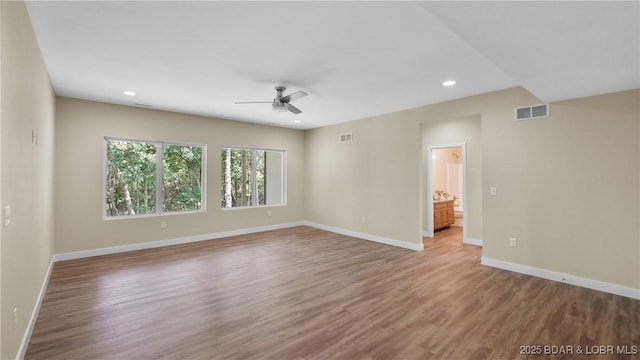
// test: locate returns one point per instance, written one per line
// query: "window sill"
(252, 207)
(143, 216)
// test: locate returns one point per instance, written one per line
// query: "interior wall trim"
(169, 242)
(22, 349)
(218, 235)
(472, 241)
(374, 238)
(184, 240)
(564, 278)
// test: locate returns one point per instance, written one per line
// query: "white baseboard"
(218, 235)
(34, 315)
(185, 240)
(564, 278)
(375, 238)
(169, 242)
(472, 241)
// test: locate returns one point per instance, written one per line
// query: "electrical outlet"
(269, 213)
(364, 220)
(163, 224)
(493, 191)
(513, 242)
(15, 317)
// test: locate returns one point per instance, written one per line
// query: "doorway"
(446, 200)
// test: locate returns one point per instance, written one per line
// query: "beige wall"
(80, 129)
(1, 309)
(568, 185)
(28, 103)
(550, 176)
(274, 165)
(375, 176)
(460, 130)
(567, 188)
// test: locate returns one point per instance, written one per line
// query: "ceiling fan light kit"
(281, 102)
(279, 107)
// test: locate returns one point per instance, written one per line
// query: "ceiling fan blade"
(293, 109)
(293, 96)
(253, 102)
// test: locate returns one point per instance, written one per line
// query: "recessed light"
(129, 93)
(448, 83)
(297, 121)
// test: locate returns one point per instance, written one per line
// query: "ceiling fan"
(281, 102)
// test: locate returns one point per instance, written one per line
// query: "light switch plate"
(7, 215)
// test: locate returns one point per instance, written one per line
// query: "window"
(135, 168)
(252, 177)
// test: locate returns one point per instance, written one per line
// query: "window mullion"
(254, 187)
(159, 169)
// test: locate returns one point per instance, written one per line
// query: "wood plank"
(307, 293)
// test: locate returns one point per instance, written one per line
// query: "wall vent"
(346, 137)
(532, 112)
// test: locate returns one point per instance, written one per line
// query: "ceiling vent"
(346, 137)
(532, 112)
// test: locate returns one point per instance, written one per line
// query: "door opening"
(446, 200)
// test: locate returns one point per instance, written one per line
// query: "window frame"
(159, 180)
(254, 183)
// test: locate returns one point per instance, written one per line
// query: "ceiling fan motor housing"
(280, 91)
(279, 105)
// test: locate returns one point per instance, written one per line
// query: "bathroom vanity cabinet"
(442, 214)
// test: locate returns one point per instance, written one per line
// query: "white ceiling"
(355, 59)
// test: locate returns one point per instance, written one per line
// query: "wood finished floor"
(303, 293)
